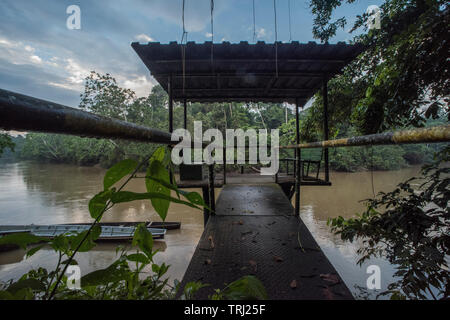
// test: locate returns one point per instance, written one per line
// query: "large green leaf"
(5, 295)
(89, 242)
(246, 288)
(31, 283)
(118, 171)
(114, 273)
(126, 196)
(138, 257)
(157, 170)
(144, 239)
(32, 251)
(98, 203)
(158, 155)
(166, 184)
(22, 239)
(60, 243)
(191, 288)
(193, 197)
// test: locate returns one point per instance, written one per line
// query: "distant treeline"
(103, 96)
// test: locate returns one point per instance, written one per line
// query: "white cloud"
(208, 34)
(144, 38)
(261, 33)
(77, 73)
(73, 74)
(141, 85)
(6, 43)
(67, 71)
(36, 59)
(18, 53)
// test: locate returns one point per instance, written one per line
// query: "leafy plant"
(126, 277)
(401, 79)
(6, 142)
(411, 228)
(246, 288)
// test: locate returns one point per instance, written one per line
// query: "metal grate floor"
(254, 232)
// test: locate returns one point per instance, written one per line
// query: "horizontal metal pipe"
(422, 135)
(24, 113)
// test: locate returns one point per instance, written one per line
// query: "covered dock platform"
(253, 227)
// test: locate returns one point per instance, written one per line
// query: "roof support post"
(325, 125)
(170, 89)
(224, 159)
(212, 198)
(298, 170)
(185, 114)
(205, 191)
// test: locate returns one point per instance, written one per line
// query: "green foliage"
(368, 158)
(190, 289)
(85, 241)
(354, 158)
(21, 239)
(103, 96)
(156, 169)
(245, 288)
(323, 10)
(98, 203)
(6, 142)
(118, 171)
(383, 89)
(411, 229)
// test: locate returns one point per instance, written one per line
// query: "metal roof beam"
(217, 61)
(281, 74)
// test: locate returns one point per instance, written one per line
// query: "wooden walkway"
(254, 232)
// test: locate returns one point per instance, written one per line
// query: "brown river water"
(56, 193)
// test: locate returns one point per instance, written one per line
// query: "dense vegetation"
(6, 143)
(410, 227)
(401, 80)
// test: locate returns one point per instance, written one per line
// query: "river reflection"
(344, 198)
(50, 193)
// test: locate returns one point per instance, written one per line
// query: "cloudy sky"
(41, 57)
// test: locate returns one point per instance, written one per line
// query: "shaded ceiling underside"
(245, 72)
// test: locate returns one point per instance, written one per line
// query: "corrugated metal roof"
(243, 71)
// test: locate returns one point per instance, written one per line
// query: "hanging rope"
(183, 48)
(290, 31)
(276, 38)
(371, 171)
(182, 19)
(212, 33)
(254, 22)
